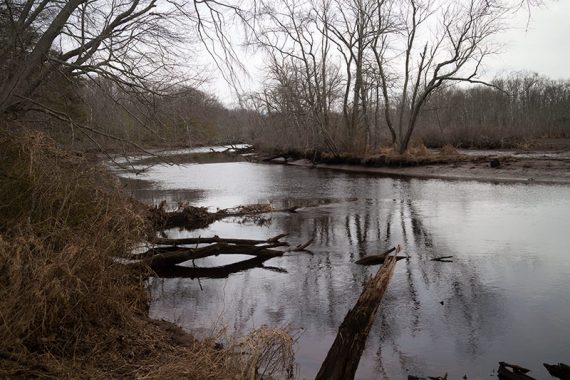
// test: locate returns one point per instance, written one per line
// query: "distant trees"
(386, 59)
(528, 107)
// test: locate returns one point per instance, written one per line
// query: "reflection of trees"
(347, 232)
(466, 300)
(318, 289)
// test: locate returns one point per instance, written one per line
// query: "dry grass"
(265, 353)
(416, 154)
(67, 308)
(449, 150)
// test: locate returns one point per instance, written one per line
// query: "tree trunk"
(344, 355)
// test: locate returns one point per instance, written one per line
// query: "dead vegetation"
(416, 155)
(191, 217)
(68, 308)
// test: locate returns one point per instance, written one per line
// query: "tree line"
(351, 75)
(342, 75)
(523, 107)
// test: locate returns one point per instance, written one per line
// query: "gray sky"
(541, 46)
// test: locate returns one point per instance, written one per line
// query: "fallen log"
(166, 259)
(344, 355)
(273, 157)
(513, 372)
(217, 239)
(560, 370)
(443, 259)
(377, 259)
(217, 249)
(191, 217)
(178, 271)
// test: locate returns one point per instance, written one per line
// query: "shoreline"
(549, 171)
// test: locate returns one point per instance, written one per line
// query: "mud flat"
(503, 166)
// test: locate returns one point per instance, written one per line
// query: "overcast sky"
(541, 46)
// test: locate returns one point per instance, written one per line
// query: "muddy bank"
(531, 167)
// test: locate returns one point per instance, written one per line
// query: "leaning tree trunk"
(344, 355)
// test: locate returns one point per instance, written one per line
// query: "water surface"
(504, 297)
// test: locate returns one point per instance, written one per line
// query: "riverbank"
(70, 306)
(548, 167)
(476, 309)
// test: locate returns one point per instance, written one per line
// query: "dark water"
(506, 295)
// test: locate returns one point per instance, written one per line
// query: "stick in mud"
(344, 355)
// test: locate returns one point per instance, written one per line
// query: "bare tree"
(298, 47)
(395, 54)
(138, 45)
(462, 38)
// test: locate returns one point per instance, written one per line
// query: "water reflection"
(506, 287)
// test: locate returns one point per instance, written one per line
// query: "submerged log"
(560, 370)
(344, 355)
(513, 372)
(443, 259)
(378, 259)
(180, 255)
(444, 377)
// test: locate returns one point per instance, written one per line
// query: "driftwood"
(443, 259)
(191, 217)
(164, 258)
(344, 355)
(560, 370)
(513, 372)
(217, 239)
(377, 259)
(302, 247)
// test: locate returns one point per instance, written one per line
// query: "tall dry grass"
(68, 308)
(63, 220)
